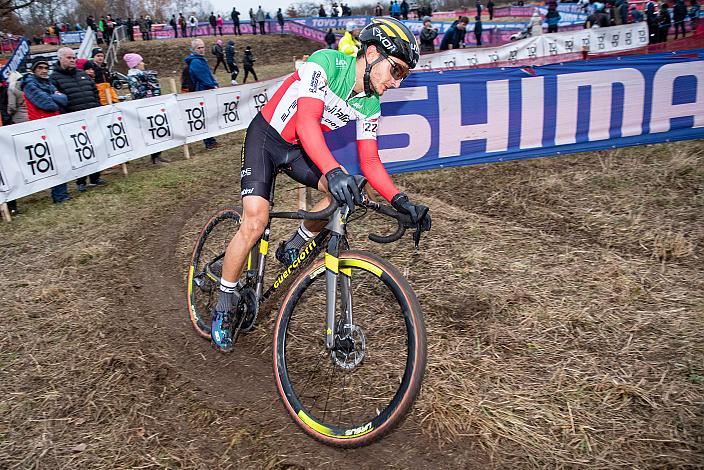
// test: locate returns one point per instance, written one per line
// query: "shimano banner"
(465, 117)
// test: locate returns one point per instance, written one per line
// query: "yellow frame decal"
(332, 263)
(358, 263)
(264, 247)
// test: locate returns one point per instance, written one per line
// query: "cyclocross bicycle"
(349, 339)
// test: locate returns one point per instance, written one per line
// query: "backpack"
(186, 82)
(214, 50)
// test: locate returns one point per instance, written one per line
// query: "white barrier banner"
(612, 39)
(38, 155)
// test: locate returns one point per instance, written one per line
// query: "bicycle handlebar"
(404, 220)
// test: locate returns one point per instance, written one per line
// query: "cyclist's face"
(387, 73)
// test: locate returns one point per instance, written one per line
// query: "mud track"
(242, 382)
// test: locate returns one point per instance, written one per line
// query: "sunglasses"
(398, 71)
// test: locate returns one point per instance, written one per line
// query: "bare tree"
(8, 6)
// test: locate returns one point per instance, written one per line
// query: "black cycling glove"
(418, 212)
(343, 188)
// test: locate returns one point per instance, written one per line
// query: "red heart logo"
(201, 103)
(119, 118)
(43, 137)
(84, 127)
(162, 110)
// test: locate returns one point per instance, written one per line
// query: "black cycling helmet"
(392, 38)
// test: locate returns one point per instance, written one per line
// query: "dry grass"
(563, 300)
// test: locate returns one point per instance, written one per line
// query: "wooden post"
(5, 212)
(108, 96)
(186, 152)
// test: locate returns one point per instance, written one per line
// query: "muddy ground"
(563, 300)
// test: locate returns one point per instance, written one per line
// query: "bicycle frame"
(335, 230)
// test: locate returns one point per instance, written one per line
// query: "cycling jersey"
(319, 97)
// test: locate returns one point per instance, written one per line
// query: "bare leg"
(254, 220)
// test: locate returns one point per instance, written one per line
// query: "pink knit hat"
(132, 60)
(219, 42)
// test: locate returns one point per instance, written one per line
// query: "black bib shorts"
(264, 152)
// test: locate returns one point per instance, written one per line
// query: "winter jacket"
(260, 15)
(679, 11)
(41, 97)
(248, 59)
(348, 45)
(78, 88)
(454, 36)
(200, 73)
(16, 105)
(143, 83)
(330, 38)
(553, 18)
(213, 20)
(230, 51)
(478, 28)
(427, 39)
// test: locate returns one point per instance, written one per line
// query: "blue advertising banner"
(467, 117)
(18, 56)
(72, 37)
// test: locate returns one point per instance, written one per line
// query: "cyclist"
(330, 89)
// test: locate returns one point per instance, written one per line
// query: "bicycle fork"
(332, 276)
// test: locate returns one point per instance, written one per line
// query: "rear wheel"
(206, 267)
(355, 393)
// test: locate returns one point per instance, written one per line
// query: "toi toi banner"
(466, 117)
(50, 151)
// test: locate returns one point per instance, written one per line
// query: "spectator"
(201, 78)
(664, 22)
(349, 45)
(378, 9)
(143, 84)
(333, 11)
(230, 61)
(598, 18)
(280, 20)
(455, 34)
(636, 14)
(81, 93)
(192, 24)
(330, 39)
(427, 36)
(130, 29)
(346, 10)
(109, 28)
(252, 21)
(404, 9)
(44, 100)
(536, 24)
(395, 10)
(150, 23)
(479, 7)
(174, 24)
(183, 25)
(694, 14)
(220, 22)
(679, 13)
(490, 9)
(16, 106)
(339, 9)
(101, 28)
(235, 15)
(248, 63)
(478, 30)
(623, 11)
(553, 19)
(219, 54)
(213, 21)
(143, 28)
(321, 11)
(90, 22)
(103, 77)
(260, 19)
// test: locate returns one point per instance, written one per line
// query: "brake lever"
(416, 237)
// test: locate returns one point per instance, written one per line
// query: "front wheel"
(206, 267)
(353, 394)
